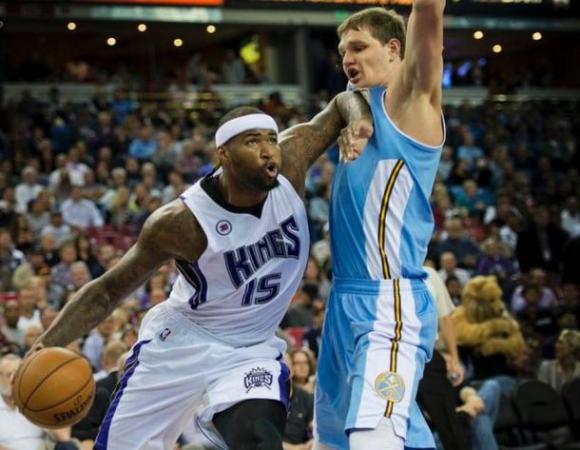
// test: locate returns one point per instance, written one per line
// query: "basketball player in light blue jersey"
(381, 322)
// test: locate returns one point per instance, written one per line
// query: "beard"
(260, 183)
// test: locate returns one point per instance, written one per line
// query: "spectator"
(566, 366)
(10, 328)
(10, 259)
(28, 189)
(233, 70)
(96, 342)
(57, 228)
(79, 212)
(61, 273)
(570, 217)
(496, 261)
(464, 248)
(303, 369)
(449, 269)
(537, 278)
(144, 146)
(542, 243)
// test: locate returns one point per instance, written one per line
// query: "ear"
(394, 48)
(222, 154)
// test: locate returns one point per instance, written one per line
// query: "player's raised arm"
(423, 62)
(161, 239)
(304, 143)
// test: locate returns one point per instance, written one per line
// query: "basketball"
(54, 388)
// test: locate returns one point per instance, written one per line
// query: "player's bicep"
(423, 62)
(136, 266)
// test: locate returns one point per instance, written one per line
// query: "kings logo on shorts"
(258, 377)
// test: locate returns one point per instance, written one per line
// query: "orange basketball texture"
(54, 388)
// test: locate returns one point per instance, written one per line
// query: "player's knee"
(253, 425)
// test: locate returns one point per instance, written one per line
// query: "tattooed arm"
(161, 239)
(304, 143)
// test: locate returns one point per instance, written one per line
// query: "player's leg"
(252, 425)
(332, 394)
(160, 385)
(389, 361)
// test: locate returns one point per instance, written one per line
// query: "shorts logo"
(223, 227)
(390, 386)
(164, 334)
(258, 377)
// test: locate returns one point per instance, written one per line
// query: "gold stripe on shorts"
(396, 339)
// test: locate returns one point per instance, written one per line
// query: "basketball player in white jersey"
(240, 240)
(381, 322)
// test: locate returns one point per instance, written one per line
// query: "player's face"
(364, 58)
(255, 158)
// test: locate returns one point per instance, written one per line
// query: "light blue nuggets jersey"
(380, 216)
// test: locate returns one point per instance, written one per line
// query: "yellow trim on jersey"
(396, 339)
(383, 214)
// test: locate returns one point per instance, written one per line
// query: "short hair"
(383, 25)
(240, 111)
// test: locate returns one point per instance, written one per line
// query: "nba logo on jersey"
(164, 334)
(258, 377)
(223, 227)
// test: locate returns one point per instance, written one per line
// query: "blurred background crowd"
(79, 176)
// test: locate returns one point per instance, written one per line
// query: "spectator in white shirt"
(448, 264)
(571, 217)
(80, 212)
(27, 190)
(57, 228)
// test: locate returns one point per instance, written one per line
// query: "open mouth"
(352, 74)
(272, 169)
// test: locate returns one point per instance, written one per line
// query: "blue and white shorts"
(377, 337)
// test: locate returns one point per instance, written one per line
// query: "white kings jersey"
(241, 286)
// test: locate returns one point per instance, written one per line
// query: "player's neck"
(391, 73)
(237, 194)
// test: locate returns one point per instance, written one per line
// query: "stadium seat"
(542, 413)
(571, 396)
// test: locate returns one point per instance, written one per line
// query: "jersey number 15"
(262, 290)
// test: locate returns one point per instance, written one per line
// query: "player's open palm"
(353, 139)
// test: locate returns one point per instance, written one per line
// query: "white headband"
(236, 126)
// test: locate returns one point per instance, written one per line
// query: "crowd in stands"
(77, 182)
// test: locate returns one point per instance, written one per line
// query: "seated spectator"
(472, 198)
(144, 146)
(454, 288)
(541, 243)
(457, 242)
(534, 319)
(566, 366)
(95, 343)
(61, 273)
(537, 278)
(298, 431)
(57, 228)
(79, 212)
(303, 369)
(28, 189)
(570, 217)
(497, 260)
(449, 268)
(9, 327)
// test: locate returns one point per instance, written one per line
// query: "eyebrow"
(350, 43)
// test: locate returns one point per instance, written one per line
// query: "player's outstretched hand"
(353, 139)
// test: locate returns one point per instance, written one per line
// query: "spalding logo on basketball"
(390, 386)
(223, 227)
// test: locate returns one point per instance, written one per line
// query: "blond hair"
(382, 24)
